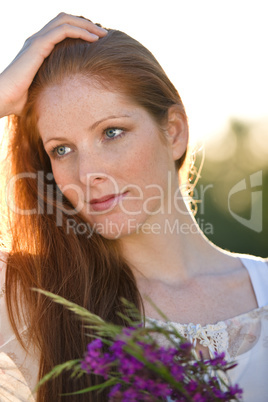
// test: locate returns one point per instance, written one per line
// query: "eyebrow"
(106, 118)
(96, 124)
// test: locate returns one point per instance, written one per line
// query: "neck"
(169, 248)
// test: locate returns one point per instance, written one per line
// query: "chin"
(111, 230)
(114, 229)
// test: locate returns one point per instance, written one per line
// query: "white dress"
(243, 338)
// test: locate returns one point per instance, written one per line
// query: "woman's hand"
(17, 77)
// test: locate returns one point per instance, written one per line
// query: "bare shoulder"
(249, 257)
(245, 260)
(3, 260)
(231, 262)
(3, 256)
(239, 269)
(3, 263)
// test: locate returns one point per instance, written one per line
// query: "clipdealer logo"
(256, 208)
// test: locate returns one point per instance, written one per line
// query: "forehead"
(77, 99)
(76, 91)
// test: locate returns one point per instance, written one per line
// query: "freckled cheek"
(68, 186)
(152, 170)
(140, 171)
(59, 176)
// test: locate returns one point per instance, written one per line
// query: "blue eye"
(61, 150)
(113, 132)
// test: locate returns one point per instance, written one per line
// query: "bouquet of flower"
(147, 362)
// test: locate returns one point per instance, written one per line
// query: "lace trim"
(2, 291)
(213, 336)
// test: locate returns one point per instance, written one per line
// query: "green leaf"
(81, 311)
(108, 383)
(57, 370)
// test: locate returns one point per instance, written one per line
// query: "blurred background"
(215, 52)
(232, 193)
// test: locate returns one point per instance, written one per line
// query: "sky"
(214, 51)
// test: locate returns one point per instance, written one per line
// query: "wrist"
(3, 102)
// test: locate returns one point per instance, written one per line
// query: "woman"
(97, 136)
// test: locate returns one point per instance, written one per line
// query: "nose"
(93, 179)
(91, 172)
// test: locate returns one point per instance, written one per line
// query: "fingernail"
(101, 28)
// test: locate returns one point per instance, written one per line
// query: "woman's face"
(107, 156)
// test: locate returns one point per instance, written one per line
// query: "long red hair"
(90, 272)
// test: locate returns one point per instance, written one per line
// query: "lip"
(106, 202)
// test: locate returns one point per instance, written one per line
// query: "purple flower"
(177, 372)
(217, 392)
(199, 398)
(95, 361)
(218, 360)
(166, 356)
(115, 392)
(149, 352)
(117, 348)
(129, 365)
(235, 391)
(128, 331)
(139, 381)
(186, 348)
(130, 395)
(94, 345)
(161, 390)
(191, 386)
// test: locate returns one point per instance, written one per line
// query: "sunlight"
(214, 53)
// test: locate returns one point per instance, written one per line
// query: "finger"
(47, 41)
(79, 22)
